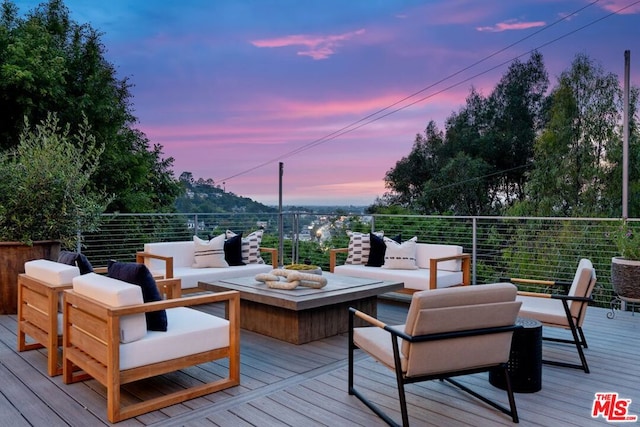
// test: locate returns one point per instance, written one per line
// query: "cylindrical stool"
(525, 359)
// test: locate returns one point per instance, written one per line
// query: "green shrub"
(45, 191)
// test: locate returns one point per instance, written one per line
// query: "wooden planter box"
(13, 255)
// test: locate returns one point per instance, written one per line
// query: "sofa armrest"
(100, 270)
(170, 288)
(274, 255)
(168, 262)
(465, 267)
(210, 298)
(332, 257)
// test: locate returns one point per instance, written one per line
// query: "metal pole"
(280, 219)
(625, 138)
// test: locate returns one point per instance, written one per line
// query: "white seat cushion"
(413, 279)
(51, 272)
(191, 276)
(189, 332)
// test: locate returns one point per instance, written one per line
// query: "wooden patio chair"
(448, 332)
(106, 337)
(562, 310)
(39, 312)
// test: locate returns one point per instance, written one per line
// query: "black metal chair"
(562, 310)
(448, 332)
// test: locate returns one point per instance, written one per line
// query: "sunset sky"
(231, 87)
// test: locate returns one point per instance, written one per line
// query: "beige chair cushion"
(448, 310)
(551, 311)
(456, 309)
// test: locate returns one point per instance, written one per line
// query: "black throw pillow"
(77, 259)
(233, 250)
(138, 274)
(378, 249)
(83, 264)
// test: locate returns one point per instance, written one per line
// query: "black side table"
(525, 359)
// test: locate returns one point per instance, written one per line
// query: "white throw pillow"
(359, 247)
(250, 246)
(209, 253)
(400, 256)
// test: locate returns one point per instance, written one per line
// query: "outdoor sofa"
(225, 256)
(420, 266)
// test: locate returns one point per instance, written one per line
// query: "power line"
(377, 115)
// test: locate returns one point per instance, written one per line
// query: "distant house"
(191, 224)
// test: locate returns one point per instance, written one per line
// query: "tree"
(612, 200)
(478, 165)
(407, 179)
(518, 101)
(49, 63)
(571, 165)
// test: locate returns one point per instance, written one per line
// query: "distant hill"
(202, 196)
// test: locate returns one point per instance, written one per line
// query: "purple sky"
(232, 87)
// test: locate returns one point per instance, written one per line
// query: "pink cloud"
(616, 5)
(512, 24)
(317, 47)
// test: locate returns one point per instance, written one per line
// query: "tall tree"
(518, 101)
(478, 166)
(612, 199)
(407, 179)
(49, 63)
(571, 164)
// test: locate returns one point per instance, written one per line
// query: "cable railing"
(501, 247)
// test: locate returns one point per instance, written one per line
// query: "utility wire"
(377, 115)
(471, 77)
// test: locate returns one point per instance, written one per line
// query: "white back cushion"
(115, 293)
(182, 253)
(51, 272)
(424, 253)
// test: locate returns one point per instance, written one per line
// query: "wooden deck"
(284, 384)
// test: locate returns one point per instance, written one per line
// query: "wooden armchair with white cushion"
(39, 307)
(448, 332)
(40, 290)
(106, 336)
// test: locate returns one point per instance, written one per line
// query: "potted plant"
(46, 198)
(625, 269)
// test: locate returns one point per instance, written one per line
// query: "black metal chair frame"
(578, 340)
(402, 379)
(577, 333)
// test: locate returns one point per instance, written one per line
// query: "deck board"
(286, 384)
